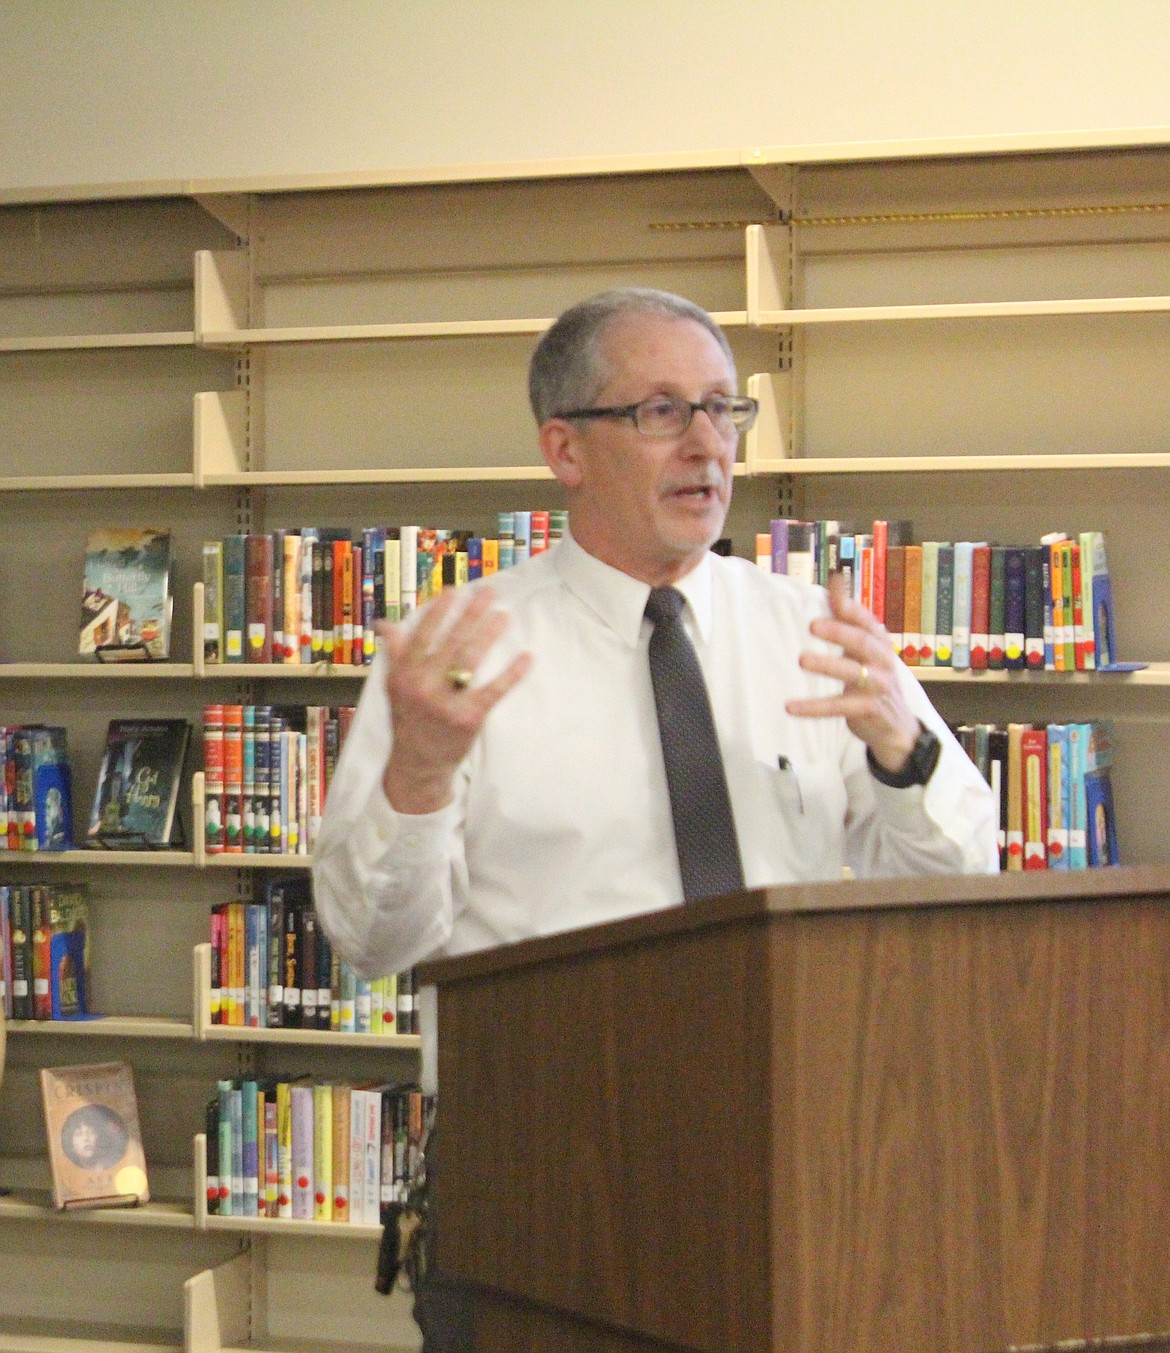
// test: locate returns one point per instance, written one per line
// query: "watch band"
(919, 765)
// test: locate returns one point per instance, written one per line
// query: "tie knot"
(664, 603)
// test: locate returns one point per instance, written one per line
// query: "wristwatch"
(919, 765)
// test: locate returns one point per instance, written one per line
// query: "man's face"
(653, 506)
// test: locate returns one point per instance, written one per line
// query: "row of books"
(134, 800)
(1055, 792)
(965, 604)
(266, 772)
(36, 788)
(272, 966)
(44, 951)
(311, 1151)
(313, 594)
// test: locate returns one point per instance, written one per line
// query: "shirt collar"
(618, 600)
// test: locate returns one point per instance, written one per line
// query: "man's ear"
(560, 444)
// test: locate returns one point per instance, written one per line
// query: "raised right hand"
(435, 720)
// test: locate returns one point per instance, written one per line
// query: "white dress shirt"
(561, 816)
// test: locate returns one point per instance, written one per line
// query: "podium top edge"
(806, 900)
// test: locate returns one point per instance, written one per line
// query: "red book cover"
(213, 779)
(980, 606)
(233, 778)
(342, 559)
(867, 577)
(1034, 786)
(258, 598)
(881, 538)
(41, 935)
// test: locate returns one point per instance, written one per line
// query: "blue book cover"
(1059, 796)
(1101, 821)
(250, 1153)
(226, 1197)
(1078, 760)
(52, 788)
(67, 974)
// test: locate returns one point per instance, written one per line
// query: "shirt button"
(410, 840)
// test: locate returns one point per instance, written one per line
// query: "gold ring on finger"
(862, 677)
(459, 677)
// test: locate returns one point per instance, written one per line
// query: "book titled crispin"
(138, 784)
(95, 1145)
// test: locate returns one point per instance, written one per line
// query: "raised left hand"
(871, 703)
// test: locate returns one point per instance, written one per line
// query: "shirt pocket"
(810, 801)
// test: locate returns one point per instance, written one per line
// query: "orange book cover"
(895, 593)
(1015, 795)
(491, 556)
(1056, 593)
(343, 602)
(980, 606)
(1068, 631)
(912, 607)
(95, 1143)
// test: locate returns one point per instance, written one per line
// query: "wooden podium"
(913, 1116)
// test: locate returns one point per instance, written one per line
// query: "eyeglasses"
(668, 416)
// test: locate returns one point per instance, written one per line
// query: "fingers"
(445, 639)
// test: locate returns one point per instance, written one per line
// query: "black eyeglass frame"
(743, 404)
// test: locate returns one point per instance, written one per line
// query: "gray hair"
(568, 368)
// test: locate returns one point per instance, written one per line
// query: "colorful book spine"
(980, 607)
(250, 1147)
(927, 656)
(1036, 622)
(248, 800)
(1015, 796)
(233, 779)
(881, 541)
(339, 1168)
(1079, 735)
(322, 1153)
(895, 594)
(1014, 608)
(284, 1152)
(1068, 628)
(301, 1098)
(997, 623)
(213, 601)
(912, 607)
(1088, 635)
(1059, 787)
(234, 597)
(258, 566)
(961, 613)
(1034, 761)
(944, 624)
(227, 1198)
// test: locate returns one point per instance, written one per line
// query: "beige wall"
(108, 91)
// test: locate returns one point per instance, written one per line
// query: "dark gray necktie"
(704, 829)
